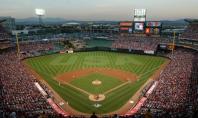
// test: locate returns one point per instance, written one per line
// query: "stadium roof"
(192, 21)
(3, 20)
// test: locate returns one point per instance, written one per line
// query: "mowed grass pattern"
(85, 83)
(52, 65)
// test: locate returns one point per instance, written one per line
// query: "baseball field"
(98, 81)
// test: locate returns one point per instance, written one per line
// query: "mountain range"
(49, 20)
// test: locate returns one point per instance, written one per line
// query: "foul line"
(106, 92)
(81, 90)
(117, 87)
(149, 71)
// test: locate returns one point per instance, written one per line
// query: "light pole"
(173, 44)
(17, 44)
(40, 13)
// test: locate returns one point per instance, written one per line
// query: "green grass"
(85, 83)
(52, 65)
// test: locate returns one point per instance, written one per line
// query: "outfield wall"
(111, 50)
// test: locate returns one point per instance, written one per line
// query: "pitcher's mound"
(97, 98)
(96, 82)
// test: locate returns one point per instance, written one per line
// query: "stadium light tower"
(40, 13)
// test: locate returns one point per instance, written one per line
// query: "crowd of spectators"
(191, 32)
(194, 81)
(35, 48)
(177, 90)
(19, 95)
(4, 35)
(138, 43)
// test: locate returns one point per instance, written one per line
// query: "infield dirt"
(119, 74)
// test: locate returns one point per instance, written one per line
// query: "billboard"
(139, 26)
(130, 30)
(155, 31)
(163, 46)
(171, 46)
(147, 31)
(139, 19)
(153, 24)
(139, 15)
(140, 12)
(124, 28)
(126, 24)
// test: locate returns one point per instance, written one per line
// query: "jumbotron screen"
(139, 26)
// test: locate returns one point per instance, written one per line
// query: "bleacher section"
(4, 39)
(191, 31)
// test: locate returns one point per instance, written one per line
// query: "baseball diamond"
(98, 81)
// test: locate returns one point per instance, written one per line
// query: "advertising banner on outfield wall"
(149, 52)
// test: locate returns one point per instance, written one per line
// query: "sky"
(101, 9)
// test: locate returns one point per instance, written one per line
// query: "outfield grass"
(52, 65)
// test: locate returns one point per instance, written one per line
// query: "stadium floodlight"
(40, 13)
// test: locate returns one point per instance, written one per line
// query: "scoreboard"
(153, 24)
(153, 28)
(148, 28)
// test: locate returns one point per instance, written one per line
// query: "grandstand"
(139, 43)
(4, 37)
(191, 32)
(174, 96)
(174, 92)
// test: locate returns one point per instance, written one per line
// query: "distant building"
(9, 23)
(14, 32)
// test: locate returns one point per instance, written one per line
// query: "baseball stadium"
(130, 73)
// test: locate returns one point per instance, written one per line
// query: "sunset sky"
(101, 9)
